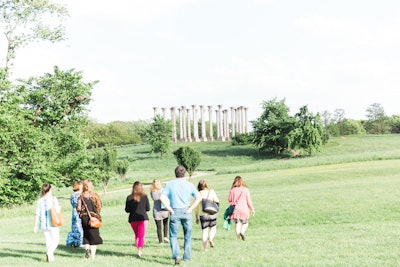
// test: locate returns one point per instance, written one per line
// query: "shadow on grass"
(238, 151)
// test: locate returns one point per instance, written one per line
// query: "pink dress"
(241, 197)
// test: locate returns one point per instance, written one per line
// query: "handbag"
(57, 219)
(94, 222)
(209, 206)
(231, 208)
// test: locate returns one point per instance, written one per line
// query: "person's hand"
(253, 212)
(189, 210)
(170, 210)
(35, 229)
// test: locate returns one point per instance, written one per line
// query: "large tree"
(41, 120)
(308, 132)
(24, 22)
(159, 135)
(272, 128)
(378, 122)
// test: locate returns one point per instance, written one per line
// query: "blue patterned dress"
(75, 236)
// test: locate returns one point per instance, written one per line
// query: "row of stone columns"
(227, 126)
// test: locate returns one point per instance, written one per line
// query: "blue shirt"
(179, 192)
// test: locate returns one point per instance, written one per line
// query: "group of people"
(172, 202)
(85, 203)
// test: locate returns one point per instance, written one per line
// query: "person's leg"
(238, 229)
(213, 231)
(158, 224)
(54, 241)
(93, 249)
(135, 226)
(174, 224)
(187, 233)
(205, 238)
(243, 229)
(47, 238)
(141, 233)
(165, 225)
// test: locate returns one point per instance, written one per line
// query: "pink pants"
(139, 228)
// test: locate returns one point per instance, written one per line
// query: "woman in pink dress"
(239, 195)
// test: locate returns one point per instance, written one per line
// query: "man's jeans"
(180, 217)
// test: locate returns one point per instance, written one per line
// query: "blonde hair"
(155, 185)
(87, 186)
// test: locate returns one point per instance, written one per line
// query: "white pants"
(52, 237)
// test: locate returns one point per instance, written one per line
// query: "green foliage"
(105, 160)
(378, 122)
(352, 127)
(189, 158)
(308, 133)
(159, 135)
(122, 167)
(116, 133)
(394, 122)
(26, 21)
(272, 128)
(41, 120)
(242, 139)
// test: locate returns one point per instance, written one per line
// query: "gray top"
(158, 212)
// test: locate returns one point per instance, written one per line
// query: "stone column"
(220, 133)
(210, 115)
(173, 120)
(195, 124)
(180, 125)
(246, 121)
(242, 118)
(155, 111)
(164, 113)
(189, 133)
(203, 124)
(232, 121)
(184, 123)
(226, 125)
(217, 125)
(237, 120)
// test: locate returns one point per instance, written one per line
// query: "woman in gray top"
(159, 214)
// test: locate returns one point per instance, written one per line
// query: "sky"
(328, 55)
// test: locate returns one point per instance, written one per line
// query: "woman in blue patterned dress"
(74, 238)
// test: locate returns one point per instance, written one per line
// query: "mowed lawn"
(329, 213)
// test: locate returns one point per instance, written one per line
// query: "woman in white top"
(43, 221)
(208, 222)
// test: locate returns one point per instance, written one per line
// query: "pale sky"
(327, 54)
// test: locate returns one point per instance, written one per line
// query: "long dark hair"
(137, 191)
(45, 188)
(202, 185)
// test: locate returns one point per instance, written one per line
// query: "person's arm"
(165, 202)
(36, 224)
(197, 200)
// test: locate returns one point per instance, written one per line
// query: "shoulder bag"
(56, 217)
(209, 206)
(94, 222)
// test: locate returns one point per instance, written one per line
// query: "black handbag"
(209, 206)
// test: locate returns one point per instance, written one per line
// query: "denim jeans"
(180, 217)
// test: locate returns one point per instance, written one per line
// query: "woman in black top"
(137, 205)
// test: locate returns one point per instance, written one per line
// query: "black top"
(137, 210)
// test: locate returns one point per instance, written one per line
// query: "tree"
(23, 22)
(105, 160)
(41, 141)
(159, 135)
(188, 158)
(308, 133)
(272, 128)
(122, 168)
(377, 122)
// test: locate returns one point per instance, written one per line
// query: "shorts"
(243, 221)
(208, 221)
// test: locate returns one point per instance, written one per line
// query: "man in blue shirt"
(176, 197)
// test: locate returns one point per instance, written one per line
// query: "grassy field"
(337, 208)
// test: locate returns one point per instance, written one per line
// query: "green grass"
(338, 208)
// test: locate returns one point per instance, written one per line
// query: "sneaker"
(177, 261)
(166, 240)
(242, 236)
(87, 254)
